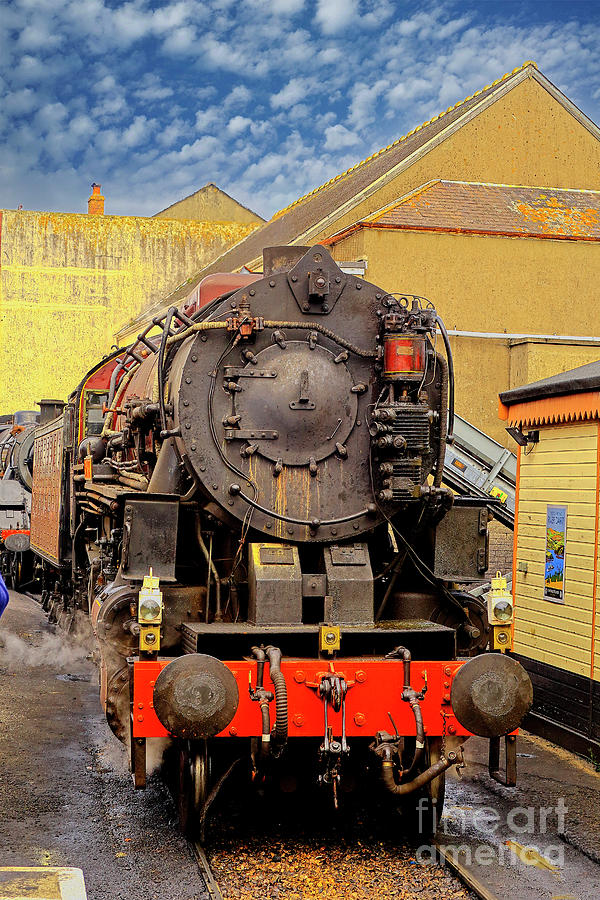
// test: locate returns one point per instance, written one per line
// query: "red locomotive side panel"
(46, 505)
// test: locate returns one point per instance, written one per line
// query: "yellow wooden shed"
(556, 423)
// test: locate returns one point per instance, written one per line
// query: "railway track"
(475, 885)
(212, 888)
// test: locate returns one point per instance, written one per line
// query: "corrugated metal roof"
(472, 207)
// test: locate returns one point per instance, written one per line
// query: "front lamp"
(502, 610)
(150, 610)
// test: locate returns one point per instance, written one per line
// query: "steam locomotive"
(248, 505)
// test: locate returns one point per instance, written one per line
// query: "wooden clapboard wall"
(559, 643)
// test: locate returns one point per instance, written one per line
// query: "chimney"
(96, 201)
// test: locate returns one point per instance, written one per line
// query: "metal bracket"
(316, 282)
(509, 779)
(244, 434)
(247, 372)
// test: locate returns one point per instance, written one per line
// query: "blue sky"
(266, 98)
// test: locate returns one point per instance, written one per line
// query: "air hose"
(280, 732)
(387, 774)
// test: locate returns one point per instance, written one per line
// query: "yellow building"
(210, 204)
(507, 267)
(556, 565)
(68, 280)
(520, 130)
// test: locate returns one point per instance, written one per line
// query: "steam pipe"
(387, 774)
(412, 697)
(448, 348)
(212, 570)
(439, 466)
(280, 732)
(264, 698)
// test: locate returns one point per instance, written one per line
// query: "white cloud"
(20, 103)
(105, 85)
(152, 89)
(364, 101)
(238, 124)
(206, 118)
(337, 137)
(335, 15)
(287, 7)
(240, 95)
(267, 98)
(296, 89)
(137, 131)
(181, 40)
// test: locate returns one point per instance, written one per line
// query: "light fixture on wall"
(523, 438)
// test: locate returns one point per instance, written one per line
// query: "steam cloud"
(58, 652)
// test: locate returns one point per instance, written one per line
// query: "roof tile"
(494, 209)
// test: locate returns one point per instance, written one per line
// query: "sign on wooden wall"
(554, 572)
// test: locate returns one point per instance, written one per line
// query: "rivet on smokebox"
(446, 698)
(299, 676)
(447, 670)
(140, 718)
(140, 705)
(360, 719)
(299, 720)
(361, 676)
(451, 729)
(233, 731)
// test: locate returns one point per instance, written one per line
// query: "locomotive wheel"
(194, 773)
(16, 571)
(422, 811)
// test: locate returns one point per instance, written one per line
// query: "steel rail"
(468, 879)
(203, 864)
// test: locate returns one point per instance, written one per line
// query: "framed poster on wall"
(556, 536)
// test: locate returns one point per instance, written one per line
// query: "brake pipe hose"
(273, 323)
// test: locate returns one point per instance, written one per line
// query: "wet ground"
(540, 840)
(67, 800)
(66, 797)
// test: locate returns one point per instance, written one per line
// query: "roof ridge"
(399, 140)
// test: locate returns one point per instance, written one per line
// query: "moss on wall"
(68, 281)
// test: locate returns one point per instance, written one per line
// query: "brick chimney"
(96, 201)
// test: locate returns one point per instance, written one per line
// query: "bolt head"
(360, 719)
(299, 676)
(360, 676)
(298, 720)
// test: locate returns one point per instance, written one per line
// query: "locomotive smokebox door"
(461, 541)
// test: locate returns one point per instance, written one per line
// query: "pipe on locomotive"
(264, 698)
(280, 732)
(409, 695)
(409, 787)
(448, 348)
(439, 466)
